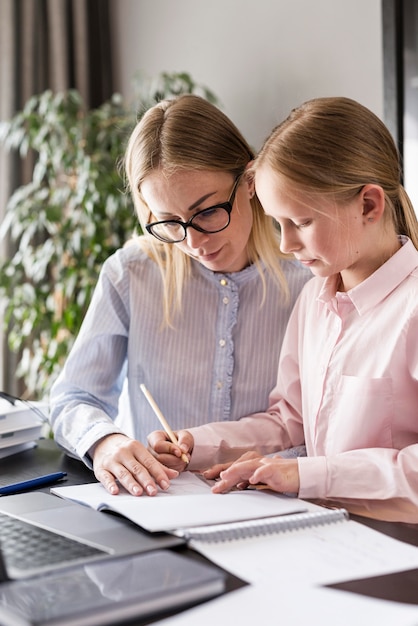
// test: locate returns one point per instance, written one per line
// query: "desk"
(47, 457)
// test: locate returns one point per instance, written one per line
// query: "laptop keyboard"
(27, 547)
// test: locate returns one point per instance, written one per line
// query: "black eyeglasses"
(208, 221)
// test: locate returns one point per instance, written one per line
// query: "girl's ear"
(373, 199)
(250, 179)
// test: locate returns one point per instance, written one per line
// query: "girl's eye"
(293, 224)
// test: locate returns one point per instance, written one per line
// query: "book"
(20, 424)
(12, 438)
(18, 416)
(15, 449)
(187, 503)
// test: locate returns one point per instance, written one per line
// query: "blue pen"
(39, 481)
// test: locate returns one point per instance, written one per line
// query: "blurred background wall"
(261, 58)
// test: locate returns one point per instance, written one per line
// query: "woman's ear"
(373, 200)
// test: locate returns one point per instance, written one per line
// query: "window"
(400, 45)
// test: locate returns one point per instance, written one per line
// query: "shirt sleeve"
(374, 482)
(84, 399)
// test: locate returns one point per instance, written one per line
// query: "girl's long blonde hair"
(189, 133)
(335, 146)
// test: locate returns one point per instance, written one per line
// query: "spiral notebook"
(216, 533)
(319, 547)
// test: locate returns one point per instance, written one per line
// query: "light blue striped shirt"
(218, 362)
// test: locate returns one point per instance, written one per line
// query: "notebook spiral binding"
(265, 526)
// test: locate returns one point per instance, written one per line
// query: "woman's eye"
(171, 225)
(208, 213)
(304, 224)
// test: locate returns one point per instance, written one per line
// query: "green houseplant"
(69, 218)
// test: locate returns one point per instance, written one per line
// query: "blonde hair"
(335, 146)
(189, 133)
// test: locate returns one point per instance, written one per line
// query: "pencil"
(162, 420)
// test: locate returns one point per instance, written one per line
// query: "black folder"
(110, 592)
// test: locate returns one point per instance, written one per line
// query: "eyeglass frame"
(227, 206)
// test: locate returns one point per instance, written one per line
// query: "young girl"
(347, 382)
(195, 309)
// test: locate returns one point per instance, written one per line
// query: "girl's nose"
(289, 241)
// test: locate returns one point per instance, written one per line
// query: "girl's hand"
(168, 453)
(215, 471)
(119, 458)
(278, 474)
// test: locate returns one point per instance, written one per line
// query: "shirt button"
(222, 343)
(225, 300)
(219, 384)
(223, 282)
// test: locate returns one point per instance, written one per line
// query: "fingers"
(252, 469)
(214, 472)
(171, 461)
(169, 454)
(277, 474)
(119, 460)
(186, 442)
(237, 475)
(108, 481)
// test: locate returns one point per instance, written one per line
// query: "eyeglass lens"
(208, 221)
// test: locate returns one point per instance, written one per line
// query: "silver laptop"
(40, 532)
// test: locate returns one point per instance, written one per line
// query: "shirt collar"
(377, 286)
(238, 278)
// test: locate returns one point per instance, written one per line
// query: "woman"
(195, 309)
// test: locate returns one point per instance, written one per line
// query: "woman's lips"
(211, 256)
(307, 262)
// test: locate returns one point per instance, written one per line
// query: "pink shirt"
(348, 388)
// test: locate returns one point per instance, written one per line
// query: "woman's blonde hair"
(189, 133)
(335, 146)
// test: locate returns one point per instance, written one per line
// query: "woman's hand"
(119, 458)
(168, 453)
(278, 474)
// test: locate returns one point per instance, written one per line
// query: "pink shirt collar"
(377, 286)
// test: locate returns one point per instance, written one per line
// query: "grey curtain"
(47, 44)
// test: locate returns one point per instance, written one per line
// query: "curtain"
(47, 44)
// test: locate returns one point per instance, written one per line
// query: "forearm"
(220, 442)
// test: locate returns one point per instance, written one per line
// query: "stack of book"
(21, 425)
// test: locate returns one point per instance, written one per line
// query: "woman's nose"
(195, 238)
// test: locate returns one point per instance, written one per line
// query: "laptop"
(40, 532)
